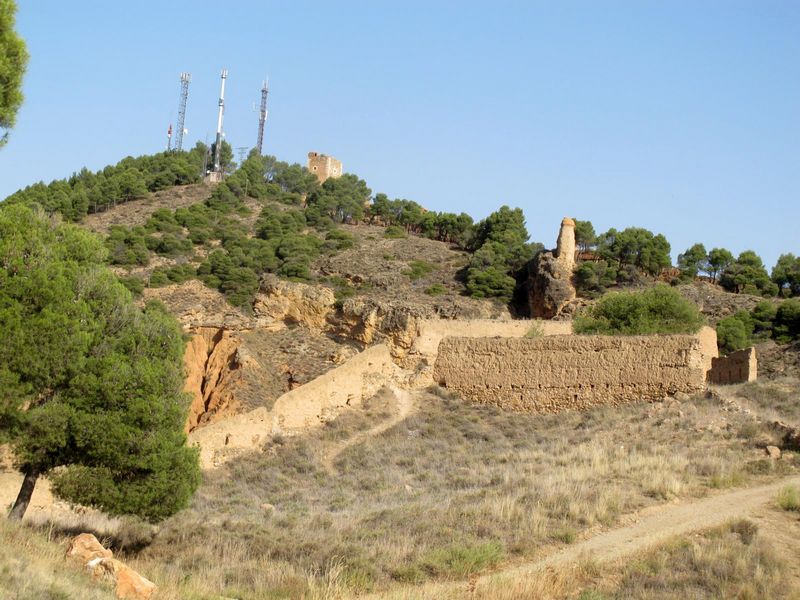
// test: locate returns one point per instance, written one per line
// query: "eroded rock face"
(286, 302)
(550, 276)
(213, 366)
(550, 286)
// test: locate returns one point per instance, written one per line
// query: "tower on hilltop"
(324, 166)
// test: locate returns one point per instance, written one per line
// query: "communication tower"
(218, 142)
(262, 116)
(179, 131)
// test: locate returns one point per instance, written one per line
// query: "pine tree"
(91, 395)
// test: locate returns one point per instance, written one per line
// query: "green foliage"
(593, 278)
(339, 199)
(734, 332)
(636, 247)
(337, 240)
(419, 269)
(787, 321)
(408, 216)
(13, 62)
(395, 232)
(459, 561)
(780, 322)
(660, 309)
(718, 260)
(786, 274)
(437, 289)
(86, 192)
(501, 249)
(747, 275)
(92, 392)
(585, 236)
(693, 261)
(162, 276)
(135, 285)
(127, 246)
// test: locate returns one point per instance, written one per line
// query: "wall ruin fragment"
(737, 367)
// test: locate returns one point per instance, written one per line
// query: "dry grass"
(452, 491)
(789, 498)
(726, 562)
(777, 399)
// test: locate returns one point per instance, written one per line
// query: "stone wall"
(552, 374)
(324, 166)
(737, 367)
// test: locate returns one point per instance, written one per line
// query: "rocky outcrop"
(99, 561)
(213, 363)
(286, 302)
(85, 548)
(369, 321)
(550, 286)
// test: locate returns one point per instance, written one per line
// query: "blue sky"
(682, 117)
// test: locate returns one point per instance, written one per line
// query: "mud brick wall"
(737, 367)
(569, 372)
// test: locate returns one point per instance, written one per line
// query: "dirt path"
(647, 528)
(404, 406)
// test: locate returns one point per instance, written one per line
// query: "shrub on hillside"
(660, 309)
(734, 332)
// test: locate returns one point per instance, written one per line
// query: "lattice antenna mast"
(262, 116)
(185, 79)
(218, 143)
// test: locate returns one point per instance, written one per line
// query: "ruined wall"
(309, 405)
(552, 374)
(737, 367)
(324, 166)
(431, 331)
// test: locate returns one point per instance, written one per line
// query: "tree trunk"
(24, 496)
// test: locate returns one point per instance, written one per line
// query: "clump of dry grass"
(789, 498)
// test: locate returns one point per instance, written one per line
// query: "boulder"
(129, 585)
(773, 452)
(85, 548)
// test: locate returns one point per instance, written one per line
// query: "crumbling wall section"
(430, 332)
(309, 405)
(556, 373)
(737, 367)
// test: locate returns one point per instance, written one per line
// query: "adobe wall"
(737, 367)
(431, 331)
(556, 373)
(314, 403)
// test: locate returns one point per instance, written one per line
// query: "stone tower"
(324, 166)
(565, 246)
